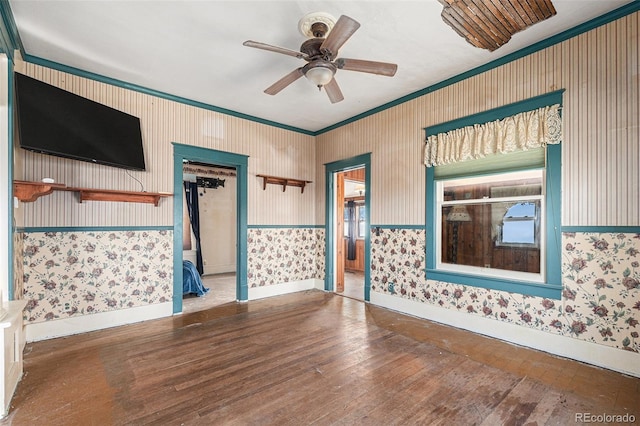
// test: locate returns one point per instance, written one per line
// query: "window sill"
(546, 290)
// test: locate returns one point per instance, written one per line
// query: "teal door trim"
(357, 162)
(210, 156)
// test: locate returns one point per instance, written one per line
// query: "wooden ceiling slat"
(525, 12)
(490, 23)
(498, 36)
(505, 19)
(511, 11)
(472, 30)
(547, 8)
(535, 7)
(491, 31)
(492, 17)
(467, 21)
(464, 28)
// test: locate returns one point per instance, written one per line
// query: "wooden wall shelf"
(31, 191)
(275, 180)
(89, 194)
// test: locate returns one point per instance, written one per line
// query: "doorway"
(187, 153)
(350, 232)
(209, 235)
(347, 206)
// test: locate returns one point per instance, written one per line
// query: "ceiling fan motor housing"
(311, 48)
(319, 29)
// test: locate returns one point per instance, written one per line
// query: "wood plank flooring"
(305, 358)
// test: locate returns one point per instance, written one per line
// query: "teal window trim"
(546, 290)
(552, 288)
(363, 160)
(499, 113)
(240, 162)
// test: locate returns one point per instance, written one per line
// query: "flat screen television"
(56, 122)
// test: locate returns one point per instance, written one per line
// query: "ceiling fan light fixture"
(319, 73)
(319, 76)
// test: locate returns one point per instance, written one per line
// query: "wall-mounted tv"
(56, 122)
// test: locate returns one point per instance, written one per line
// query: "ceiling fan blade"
(372, 67)
(342, 30)
(284, 82)
(333, 91)
(265, 46)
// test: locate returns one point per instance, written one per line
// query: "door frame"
(360, 161)
(210, 156)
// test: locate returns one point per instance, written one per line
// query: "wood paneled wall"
(356, 174)
(600, 148)
(271, 151)
(358, 263)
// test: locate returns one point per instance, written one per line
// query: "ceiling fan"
(326, 37)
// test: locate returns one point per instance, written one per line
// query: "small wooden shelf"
(90, 194)
(275, 180)
(31, 191)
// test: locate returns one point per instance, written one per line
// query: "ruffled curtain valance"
(520, 132)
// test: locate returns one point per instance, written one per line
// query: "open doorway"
(353, 229)
(209, 235)
(347, 227)
(190, 154)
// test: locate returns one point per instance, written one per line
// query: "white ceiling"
(193, 49)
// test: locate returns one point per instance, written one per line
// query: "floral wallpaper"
(600, 301)
(281, 255)
(95, 271)
(601, 277)
(98, 271)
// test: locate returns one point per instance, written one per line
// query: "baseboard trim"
(591, 353)
(85, 323)
(284, 288)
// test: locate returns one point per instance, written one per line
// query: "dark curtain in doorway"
(353, 223)
(191, 190)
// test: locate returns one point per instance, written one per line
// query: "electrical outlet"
(67, 306)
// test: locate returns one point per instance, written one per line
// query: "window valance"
(520, 132)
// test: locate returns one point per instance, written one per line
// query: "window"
(493, 198)
(360, 216)
(520, 226)
(492, 225)
(362, 221)
(346, 222)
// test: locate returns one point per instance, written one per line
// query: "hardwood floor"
(305, 358)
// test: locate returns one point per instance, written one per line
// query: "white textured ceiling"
(193, 49)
